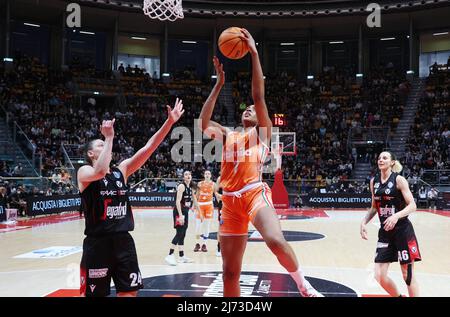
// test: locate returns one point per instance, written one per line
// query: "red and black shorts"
(110, 256)
(398, 245)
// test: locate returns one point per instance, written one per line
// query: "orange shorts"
(206, 211)
(237, 212)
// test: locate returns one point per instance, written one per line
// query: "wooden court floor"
(41, 257)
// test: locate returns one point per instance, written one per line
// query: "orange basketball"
(231, 45)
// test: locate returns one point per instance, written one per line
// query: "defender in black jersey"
(108, 249)
(184, 201)
(393, 202)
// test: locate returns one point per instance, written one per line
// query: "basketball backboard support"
(282, 143)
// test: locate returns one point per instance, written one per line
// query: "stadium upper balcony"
(273, 8)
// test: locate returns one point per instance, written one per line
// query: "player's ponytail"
(397, 167)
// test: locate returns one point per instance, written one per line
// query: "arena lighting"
(310, 77)
(31, 24)
(336, 42)
(189, 42)
(287, 44)
(138, 38)
(8, 59)
(213, 76)
(387, 39)
(166, 75)
(86, 32)
(410, 72)
(96, 93)
(359, 75)
(440, 33)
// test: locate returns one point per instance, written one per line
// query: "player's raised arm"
(209, 127)
(258, 88)
(131, 165)
(99, 154)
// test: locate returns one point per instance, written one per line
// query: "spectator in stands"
(140, 188)
(129, 70)
(18, 170)
(432, 197)
(4, 197)
(18, 200)
(298, 202)
(434, 68)
(121, 69)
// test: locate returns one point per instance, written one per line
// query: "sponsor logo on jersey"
(113, 192)
(105, 181)
(413, 249)
(390, 184)
(387, 191)
(119, 184)
(98, 273)
(116, 212)
(92, 286)
(387, 211)
(116, 175)
(382, 245)
(376, 185)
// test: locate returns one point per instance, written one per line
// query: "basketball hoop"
(163, 9)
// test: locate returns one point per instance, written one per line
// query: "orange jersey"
(243, 156)
(205, 191)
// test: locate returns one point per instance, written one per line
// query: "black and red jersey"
(106, 206)
(388, 199)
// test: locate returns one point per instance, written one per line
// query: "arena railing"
(20, 138)
(39, 184)
(436, 177)
(69, 166)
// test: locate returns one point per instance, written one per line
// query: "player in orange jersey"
(204, 211)
(245, 197)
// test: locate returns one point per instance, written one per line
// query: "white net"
(163, 9)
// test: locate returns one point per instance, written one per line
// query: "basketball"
(231, 45)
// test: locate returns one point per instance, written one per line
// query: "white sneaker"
(170, 259)
(308, 291)
(185, 259)
(218, 254)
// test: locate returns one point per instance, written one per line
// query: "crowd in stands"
(321, 112)
(428, 147)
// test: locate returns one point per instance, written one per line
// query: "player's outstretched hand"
(363, 232)
(107, 128)
(219, 71)
(248, 38)
(174, 114)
